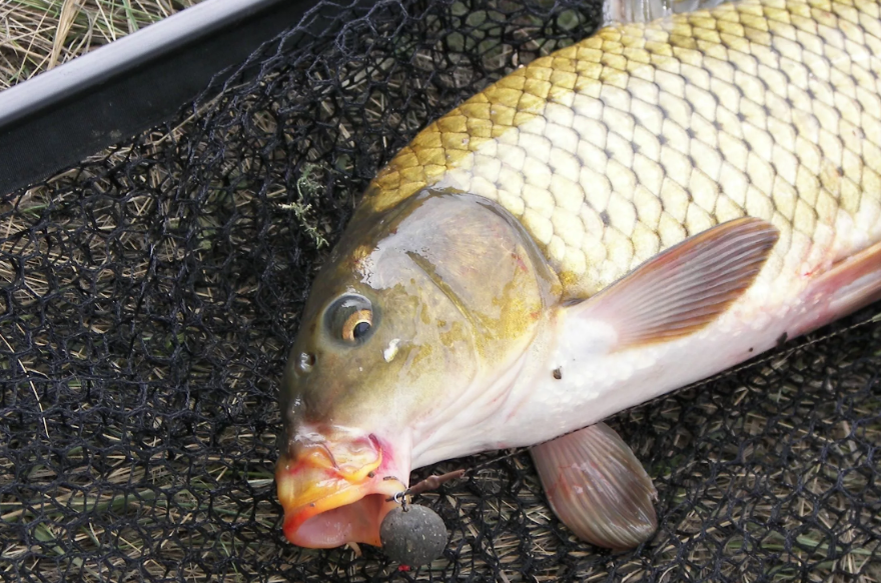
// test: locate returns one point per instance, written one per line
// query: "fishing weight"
(413, 535)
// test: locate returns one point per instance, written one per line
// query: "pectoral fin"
(597, 487)
(686, 287)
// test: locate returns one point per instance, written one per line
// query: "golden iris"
(357, 325)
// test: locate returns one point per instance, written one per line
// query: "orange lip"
(335, 491)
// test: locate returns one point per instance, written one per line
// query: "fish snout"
(335, 489)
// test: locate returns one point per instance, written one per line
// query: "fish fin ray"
(628, 11)
(597, 487)
(686, 287)
(850, 284)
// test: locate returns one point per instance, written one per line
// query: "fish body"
(630, 214)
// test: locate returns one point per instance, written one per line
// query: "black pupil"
(360, 329)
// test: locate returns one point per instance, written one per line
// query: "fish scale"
(622, 145)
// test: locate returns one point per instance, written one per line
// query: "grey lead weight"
(415, 536)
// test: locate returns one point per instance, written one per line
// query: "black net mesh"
(150, 293)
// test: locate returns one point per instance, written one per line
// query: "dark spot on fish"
(662, 140)
(840, 171)
(558, 373)
(690, 133)
(717, 125)
(782, 339)
(740, 117)
(371, 474)
(312, 504)
(750, 348)
(605, 217)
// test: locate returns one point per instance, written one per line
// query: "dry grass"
(37, 35)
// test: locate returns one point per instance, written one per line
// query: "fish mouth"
(336, 491)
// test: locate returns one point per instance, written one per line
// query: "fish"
(628, 215)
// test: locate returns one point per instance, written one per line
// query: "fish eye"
(350, 318)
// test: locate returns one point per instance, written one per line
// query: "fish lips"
(336, 491)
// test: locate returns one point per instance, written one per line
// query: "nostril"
(306, 362)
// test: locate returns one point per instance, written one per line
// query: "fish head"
(416, 307)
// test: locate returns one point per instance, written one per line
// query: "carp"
(628, 215)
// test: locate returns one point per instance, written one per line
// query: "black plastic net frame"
(150, 293)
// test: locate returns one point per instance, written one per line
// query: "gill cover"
(409, 314)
